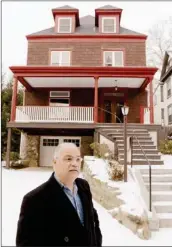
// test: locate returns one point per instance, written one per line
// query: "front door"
(112, 111)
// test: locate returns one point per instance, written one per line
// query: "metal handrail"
(150, 173)
(150, 168)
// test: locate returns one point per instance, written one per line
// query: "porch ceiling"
(83, 82)
(53, 76)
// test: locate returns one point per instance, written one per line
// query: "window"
(109, 24)
(113, 58)
(50, 142)
(155, 99)
(75, 141)
(168, 88)
(60, 58)
(64, 25)
(162, 113)
(162, 93)
(59, 98)
(170, 114)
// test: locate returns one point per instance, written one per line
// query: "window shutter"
(108, 58)
(118, 58)
(109, 25)
(65, 59)
(64, 25)
(55, 58)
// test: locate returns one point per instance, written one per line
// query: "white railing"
(54, 114)
(146, 115)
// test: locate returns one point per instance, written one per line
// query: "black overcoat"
(48, 218)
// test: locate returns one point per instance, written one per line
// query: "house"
(163, 94)
(78, 75)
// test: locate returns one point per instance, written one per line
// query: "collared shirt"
(74, 198)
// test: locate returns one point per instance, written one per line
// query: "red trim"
(96, 100)
(78, 36)
(67, 13)
(109, 12)
(151, 103)
(14, 99)
(25, 84)
(144, 84)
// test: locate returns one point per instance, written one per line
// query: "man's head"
(67, 161)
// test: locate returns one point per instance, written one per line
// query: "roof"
(87, 26)
(64, 7)
(167, 74)
(107, 7)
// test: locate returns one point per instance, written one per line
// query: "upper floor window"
(60, 58)
(162, 93)
(170, 114)
(64, 25)
(169, 88)
(113, 58)
(109, 24)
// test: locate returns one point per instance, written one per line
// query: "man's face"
(68, 163)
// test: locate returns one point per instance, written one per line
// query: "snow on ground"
(16, 183)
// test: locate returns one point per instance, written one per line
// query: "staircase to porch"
(144, 138)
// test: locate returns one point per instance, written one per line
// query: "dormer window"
(60, 58)
(64, 25)
(109, 25)
(113, 58)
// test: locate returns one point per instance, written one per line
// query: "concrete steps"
(161, 193)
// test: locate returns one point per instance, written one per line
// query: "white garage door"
(48, 145)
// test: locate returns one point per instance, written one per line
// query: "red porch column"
(96, 99)
(14, 99)
(151, 101)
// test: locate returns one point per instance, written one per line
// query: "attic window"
(109, 25)
(64, 25)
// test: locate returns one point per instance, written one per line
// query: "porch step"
(163, 206)
(158, 177)
(160, 186)
(162, 195)
(144, 161)
(135, 142)
(141, 156)
(144, 146)
(140, 138)
(139, 151)
(165, 220)
(160, 171)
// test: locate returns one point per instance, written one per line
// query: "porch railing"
(54, 114)
(145, 115)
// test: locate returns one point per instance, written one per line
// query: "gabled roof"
(87, 26)
(64, 7)
(106, 7)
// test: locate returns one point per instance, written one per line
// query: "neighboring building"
(78, 73)
(163, 94)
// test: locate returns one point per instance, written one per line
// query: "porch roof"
(52, 76)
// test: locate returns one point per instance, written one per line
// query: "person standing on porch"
(60, 211)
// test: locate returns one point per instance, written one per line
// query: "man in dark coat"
(60, 212)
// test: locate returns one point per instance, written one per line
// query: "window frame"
(162, 93)
(58, 26)
(168, 107)
(113, 57)
(115, 25)
(168, 87)
(60, 51)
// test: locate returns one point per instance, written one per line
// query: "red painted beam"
(96, 100)
(14, 99)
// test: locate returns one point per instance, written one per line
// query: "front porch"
(96, 94)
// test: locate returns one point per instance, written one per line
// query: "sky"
(21, 18)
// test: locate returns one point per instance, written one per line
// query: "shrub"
(166, 147)
(101, 150)
(115, 170)
(14, 156)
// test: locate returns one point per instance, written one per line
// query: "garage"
(48, 145)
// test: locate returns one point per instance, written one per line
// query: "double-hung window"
(169, 114)
(65, 25)
(169, 88)
(113, 58)
(60, 58)
(108, 24)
